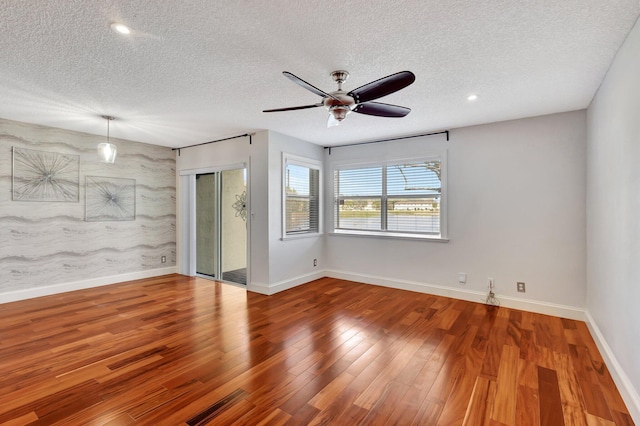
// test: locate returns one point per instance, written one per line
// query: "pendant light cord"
(108, 118)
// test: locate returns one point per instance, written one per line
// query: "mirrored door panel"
(206, 224)
(233, 229)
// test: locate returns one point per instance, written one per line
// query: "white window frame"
(436, 156)
(311, 164)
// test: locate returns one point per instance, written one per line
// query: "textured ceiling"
(198, 70)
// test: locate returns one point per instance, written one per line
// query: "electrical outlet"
(315, 262)
(163, 259)
(521, 288)
(492, 283)
(462, 277)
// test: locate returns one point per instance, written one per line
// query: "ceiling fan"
(341, 103)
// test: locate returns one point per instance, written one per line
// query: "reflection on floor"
(238, 276)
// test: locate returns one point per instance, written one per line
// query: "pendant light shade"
(106, 150)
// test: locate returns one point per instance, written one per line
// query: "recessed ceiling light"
(120, 28)
(472, 97)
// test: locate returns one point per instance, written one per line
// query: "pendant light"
(107, 151)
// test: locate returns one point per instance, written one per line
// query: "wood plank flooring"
(175, 350)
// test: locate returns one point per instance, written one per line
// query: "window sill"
(301, 236)
(392, 235)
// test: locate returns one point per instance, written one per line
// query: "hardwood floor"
(175, 350)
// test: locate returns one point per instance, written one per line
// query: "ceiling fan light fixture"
(339, 112)
(107, 151)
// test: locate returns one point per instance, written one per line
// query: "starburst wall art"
(45, 176)
(110, 199)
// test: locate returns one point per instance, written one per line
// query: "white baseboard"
(296, 281)
(29, 293)
(547, 308)
(462, 294)
(627, 391)
(285, 284)
(258, 288)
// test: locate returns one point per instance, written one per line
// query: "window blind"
(403, 197)
(302, 207)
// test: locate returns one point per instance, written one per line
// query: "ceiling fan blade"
(382, 87)
(381, 110)
(293, 108)
(306, 85)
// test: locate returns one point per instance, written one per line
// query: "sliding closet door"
(220, 231)
(233, 225)
(207, 233)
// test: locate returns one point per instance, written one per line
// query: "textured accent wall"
(48, 243)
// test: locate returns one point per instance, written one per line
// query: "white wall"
(516, 195)
(220, 154)
(274, 264)
(613, 218)
(291, 260)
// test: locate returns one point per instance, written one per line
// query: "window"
(402, 198)
(301, 195)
